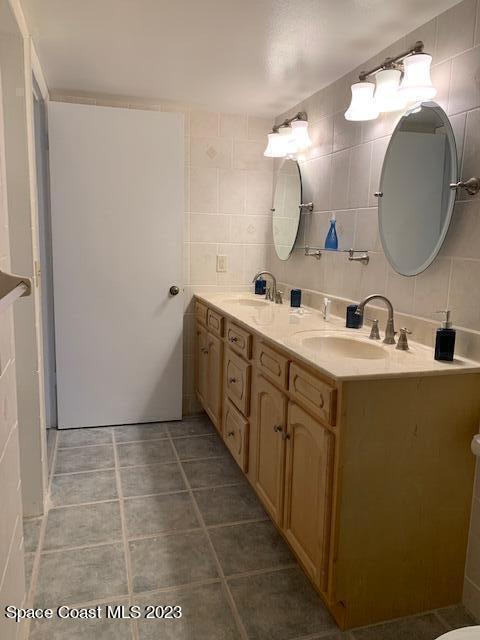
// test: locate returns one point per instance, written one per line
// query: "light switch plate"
(221, 264)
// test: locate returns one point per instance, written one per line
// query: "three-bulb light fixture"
(399, 83)
(289, 138)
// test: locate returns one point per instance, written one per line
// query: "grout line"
(90, 545)
(32, 588)
(126, 550)
(226, 589)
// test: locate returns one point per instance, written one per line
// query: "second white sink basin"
(337, 344)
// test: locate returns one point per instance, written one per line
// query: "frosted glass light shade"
(387, 96)
(416, 85)
(361, 106)
(300, 135)
(276, 147)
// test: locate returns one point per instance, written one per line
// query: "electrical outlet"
(221, 264)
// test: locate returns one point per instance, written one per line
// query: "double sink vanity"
(358, 451)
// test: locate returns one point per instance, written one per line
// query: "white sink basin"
(247, 302)
(336, 344)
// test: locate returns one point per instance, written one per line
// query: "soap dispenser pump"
(445, 339)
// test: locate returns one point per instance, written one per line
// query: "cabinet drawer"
(237, 381)
(239, 340)
(313, 394)
(235, 434)
(201, 312)
(215, 323)
(271, 364)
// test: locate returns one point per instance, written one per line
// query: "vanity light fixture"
(289, 138)
(399, 82)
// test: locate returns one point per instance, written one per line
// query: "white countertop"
(282, 326)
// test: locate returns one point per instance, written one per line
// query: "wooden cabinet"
(237, 381)
(369, 481)
(214, 380)
(306, 522)
(201, 364)
(208, 373)
(235, 434)
(270, 429)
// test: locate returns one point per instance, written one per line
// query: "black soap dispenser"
(445, 340)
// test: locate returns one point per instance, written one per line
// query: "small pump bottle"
(331, 241)
(445, 339)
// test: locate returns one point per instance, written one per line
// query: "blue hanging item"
(331, 241)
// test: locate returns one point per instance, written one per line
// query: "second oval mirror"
(416, 202)
(286, 207)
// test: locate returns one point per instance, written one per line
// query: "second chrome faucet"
(389, 329)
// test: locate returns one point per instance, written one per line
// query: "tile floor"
(161, 514)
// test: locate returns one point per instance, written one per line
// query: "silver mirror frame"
(300, 209)
(453, 178)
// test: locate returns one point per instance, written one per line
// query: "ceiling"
(253, 56)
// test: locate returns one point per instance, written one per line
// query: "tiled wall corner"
(341, 171)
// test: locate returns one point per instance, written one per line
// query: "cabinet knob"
(233, 339)
(232, 380)
(285, 435)
(204, 351)
(277, 428)
(230, 434)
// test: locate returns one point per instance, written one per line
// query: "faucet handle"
(279, 297)
(402, 344)
(374, 332)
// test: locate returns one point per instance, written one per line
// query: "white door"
(117, 200)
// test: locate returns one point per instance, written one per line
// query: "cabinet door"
(235, 434)
(270, 422)
(214, 381)
(201, 364)
(307, 491)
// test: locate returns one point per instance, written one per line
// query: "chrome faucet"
(389, 329)
(271, 293)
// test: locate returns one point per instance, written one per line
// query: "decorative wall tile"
(212, 152)
(204, 124)
(231, 195)
(455, 31)
(340, 179)
(203, 190)
(208, 228)
(248, 154)
(259, 187)
(360, 162)
(465, 82)
(233, 126)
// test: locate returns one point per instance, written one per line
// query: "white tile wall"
(342, 171)
(12, 579)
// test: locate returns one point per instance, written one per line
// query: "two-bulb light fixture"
(399, 83)
(289, 138)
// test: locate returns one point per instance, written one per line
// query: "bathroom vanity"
(360, 453)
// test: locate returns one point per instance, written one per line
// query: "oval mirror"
(415, 200)
(286, 207)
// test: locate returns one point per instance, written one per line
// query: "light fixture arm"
(389, 63)
(301, 115)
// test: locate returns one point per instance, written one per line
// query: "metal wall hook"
(471, 186)
(306, 207)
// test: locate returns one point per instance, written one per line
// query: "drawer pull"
(230, 434)
(322, 401)
(277, 428)
(204, 351)
(232, 380)
(233, 339)
(285, 435)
